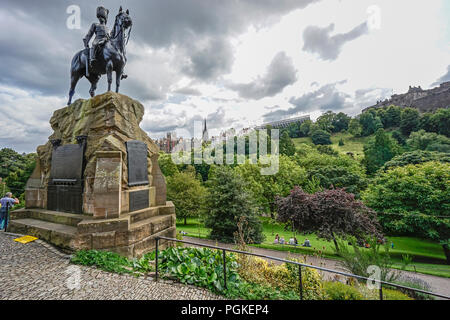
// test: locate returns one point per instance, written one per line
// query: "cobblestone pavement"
(36, 271)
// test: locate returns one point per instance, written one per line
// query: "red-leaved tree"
(331, 214)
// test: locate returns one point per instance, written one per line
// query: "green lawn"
(421, 250)
(351, 144)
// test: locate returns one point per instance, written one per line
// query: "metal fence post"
(300, 283)
(224, 269)
(156, 259)
(381, 291)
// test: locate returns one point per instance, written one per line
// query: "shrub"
(339, 291)
(107, 261)
(282, 277)
(415, 157)
(320, 136)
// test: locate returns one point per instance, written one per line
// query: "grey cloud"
(369, 96)
(318, 40)
(188, 91)
(209, 60)
(280, 74)
(444, 78)
(327, 97)
(37, 49)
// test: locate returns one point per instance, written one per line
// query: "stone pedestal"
(107, 221)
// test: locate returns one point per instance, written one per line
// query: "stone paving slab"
(37, 271)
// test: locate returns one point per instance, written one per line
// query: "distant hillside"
(416, 97)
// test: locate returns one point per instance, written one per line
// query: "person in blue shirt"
(7, 202)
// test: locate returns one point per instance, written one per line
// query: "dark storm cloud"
(280, 74)
(444, 78)
(37, 48)
(327, 97)
(318, 40)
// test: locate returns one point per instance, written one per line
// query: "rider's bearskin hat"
(102, 12)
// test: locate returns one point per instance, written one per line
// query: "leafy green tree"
(370, 123)
(320, 136)
(392, 116)
(379, 150)
(265, 188)
(442, 120)
(414, 200)
(399, 137)
(341, 122)
(409, 121)
(416, 157)
(331, 214)
(305, 128)
(326, 120)
(287, 146)
(187, 193)
(427, 123)
(355, 128)
(227, 202)
(339, 177)
(429, 141)
(168, 167)
(15, 170)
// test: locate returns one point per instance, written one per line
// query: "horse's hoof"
(124, 76)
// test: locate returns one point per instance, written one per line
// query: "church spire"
(205, 136)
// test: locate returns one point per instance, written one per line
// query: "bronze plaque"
(67, 162)
(137, 163)
(139, 200)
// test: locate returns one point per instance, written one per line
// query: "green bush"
(322, 137)
(340, 291)
(107, 261)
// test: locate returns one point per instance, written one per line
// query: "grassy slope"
(419, 249)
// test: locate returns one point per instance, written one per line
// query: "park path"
(36, 271)
(438, 284)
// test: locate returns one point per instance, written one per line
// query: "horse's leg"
(93, 80)
(74, 77)
(118, 78)
(109, 69)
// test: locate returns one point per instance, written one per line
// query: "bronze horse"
(111, 57)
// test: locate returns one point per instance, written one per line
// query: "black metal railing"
(300, 265)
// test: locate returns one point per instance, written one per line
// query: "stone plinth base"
(131, 235)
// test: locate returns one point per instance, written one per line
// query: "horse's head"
(123, 19)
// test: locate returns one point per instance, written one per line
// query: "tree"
(287, 146)
(187, 193)
(168, 167)
(331, 214)
(341, 122)
(370, 123)
(265, 188)
(15, 170)
(326, 120)
(227, 203)
(414, 200)
(442, 120)
(339, 177)
(305, 128)
(399, 137)
(355, 128)
(320, 136)
(392, 117)
(416, 157)
(378, 151)
(409, 121)
(429, 141)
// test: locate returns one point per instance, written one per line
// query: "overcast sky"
(237, 62)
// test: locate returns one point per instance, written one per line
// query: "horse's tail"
(76, 64)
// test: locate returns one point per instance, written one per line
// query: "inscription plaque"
(67, 162)
(137, 163)
(139, 200)
(65, 188)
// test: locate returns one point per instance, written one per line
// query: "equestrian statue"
(106, 55)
